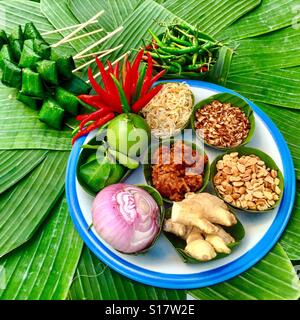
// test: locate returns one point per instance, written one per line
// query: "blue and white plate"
(161, 266)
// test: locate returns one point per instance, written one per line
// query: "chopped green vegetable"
(5, 53)
(52, 114)
(29, 101)
(3, 38)
(28, 57)
(48, 72)
(42, 49)
(16, 48)
(32, 84)
(31, 32)
(65, 64)
(95, 174)
(117, 172)
(67, 101)
(11, 75)
(77, 86)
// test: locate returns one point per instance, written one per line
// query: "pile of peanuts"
(246, 182)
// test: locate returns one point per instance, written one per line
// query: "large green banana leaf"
(269, 86)
(260, 57)
(21, 128)
(288, 123)
(273, 278)
(43, 267)
(206, 13)
(280, 49)
(25, 206)
(115, 11)
(59, 14)
(291, 237)
(16, 164)
(270, 16)
(93, 280)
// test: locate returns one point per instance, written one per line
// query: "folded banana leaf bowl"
(165, 264)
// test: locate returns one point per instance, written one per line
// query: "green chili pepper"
(161, 56)
(195, 55)
(208, 45)
(171, 50)
(189, 36)
(178, 40)
(195, 66)
(125, 105)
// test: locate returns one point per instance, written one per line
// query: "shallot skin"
(126, 217)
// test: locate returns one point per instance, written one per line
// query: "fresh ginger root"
(197, 220)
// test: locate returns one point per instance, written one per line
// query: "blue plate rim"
(201, 279)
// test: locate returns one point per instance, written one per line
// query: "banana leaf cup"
(237, 232)
(185, 126)
(235, 101)
(270, 163)
(147, 167)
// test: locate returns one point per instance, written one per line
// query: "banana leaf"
(115, 11)
(43, 268)
(273, 278)
(269, 86)
(288, 123)
(16, 164)
(24, 207)
(21, 128)
(95, 281)
(274, 50)
(270, 16)
(60, 16)
(291, 237)
(206, 13)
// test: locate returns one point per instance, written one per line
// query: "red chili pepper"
(94, 101)
(94, 116)
(157, 77)
(110, 67)
(127, 82)
(124, 68)
(93, 126)
(94, 83)
(109, 85)
(81, 117)
(116, 71)
(97, 102)
(135, 71)
(107, 81)
(148, 77)
(145, 99)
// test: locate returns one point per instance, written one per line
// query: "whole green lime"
(129, 134)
